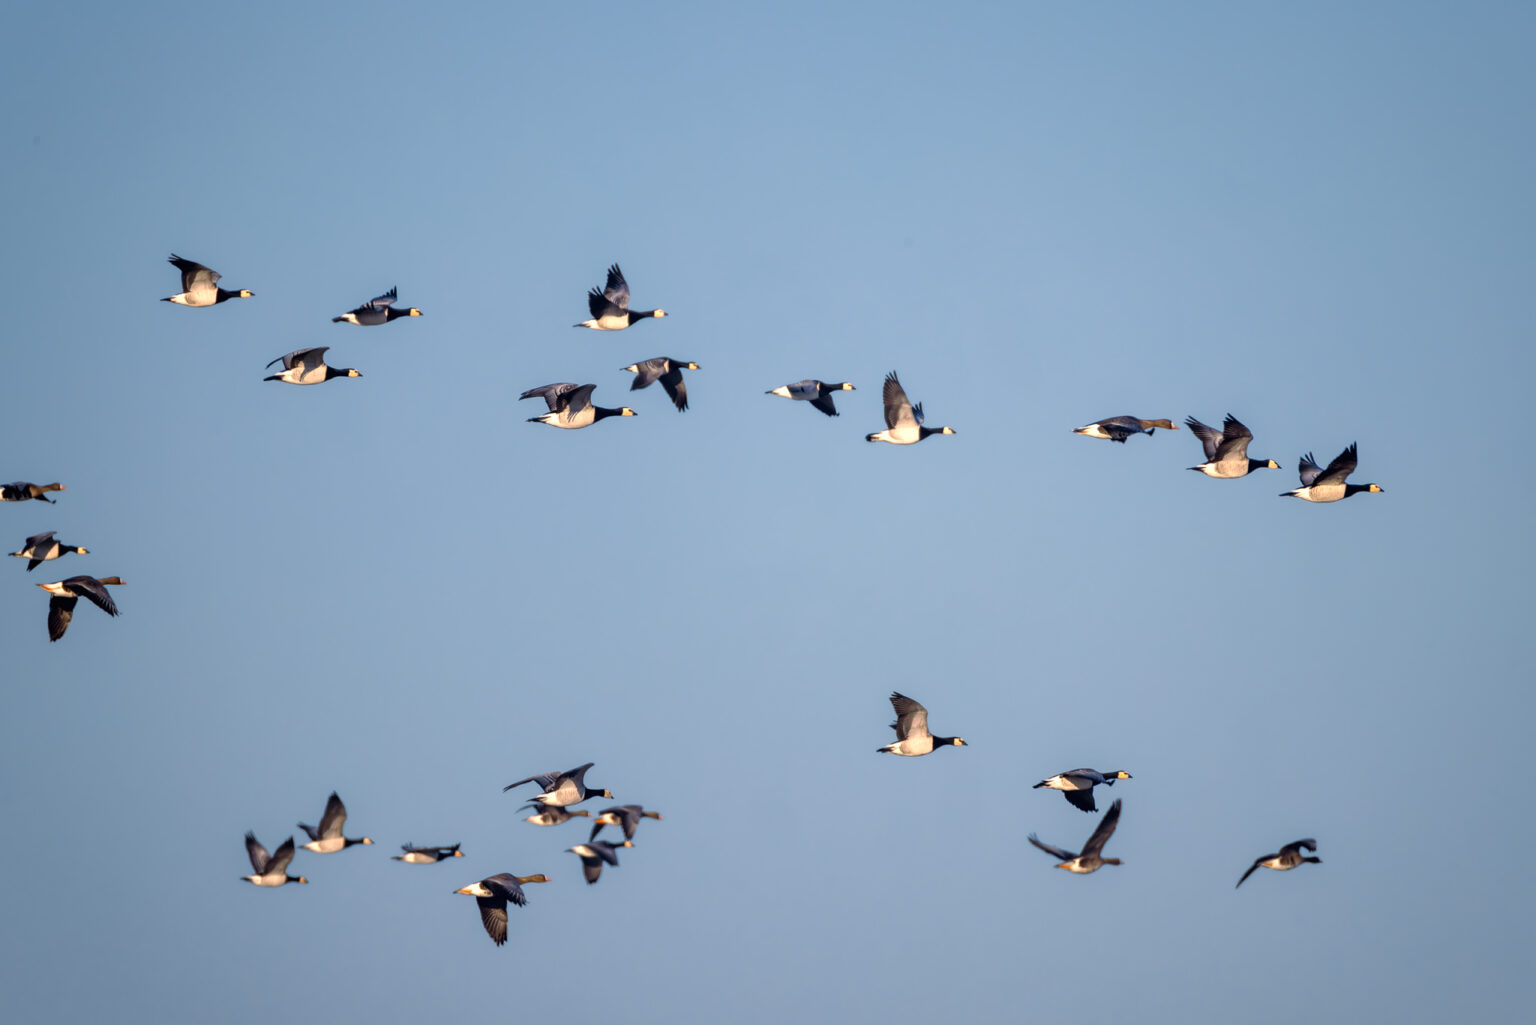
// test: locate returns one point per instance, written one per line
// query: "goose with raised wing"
(1226, 450)
(1285, 859)
(1089, 860)
(911, 726)
(200, 285)
(561, 789)
(570, 406)
(610, 307)
(378, 310)
(270, 869)
(903, 420)
(1320, 485)
(327, 838)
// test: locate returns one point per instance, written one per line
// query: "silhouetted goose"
(817, 393)
(24, 491)
(553, 816)
(626, 816)
(1287, 858)
(378, 310)
(199, 286)
(1226, 451)
(328, 839)
(41, 548)
(561, 788)
(492, 894)
(593, 853)
(426, 855)
(61, 607)
(610, 307)
(570, 406)
(307, 366)
(1118, 428)
(903, 421)
(1089, 860)
(1077, 785)
(911, 726)
(271, 869)
(1319, 485)
(666, 370)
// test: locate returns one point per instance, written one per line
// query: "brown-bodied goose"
(626, 816)
(1089, 860)
(493, 893)
(1077, 785)
(550, 815)
(1285, 859)
(1118, 428)
(593, 853)
(61, 607)
(426, 855)
(327, 839)
(26, 491)
(41, 548)
(911, 726)
(199, 286)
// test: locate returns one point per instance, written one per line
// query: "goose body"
(553, 815)
(493, 894)
(1320, 485)
(1118, 428)
(65, 595)
(593, 854)
(911, 726)
(41, 548)
(817, 393)
(626, 816)
(1077, 785)
(666, 370)
(426, 855)
(270, 869)
(561, 788)
(1285, 859)
(199, 285)
(378, 310)
(1090, 859)
(903, 420)
(26, 491)
(327, 839)
(1226, 451)
(307, 366)
(570, 406)
(610, 307)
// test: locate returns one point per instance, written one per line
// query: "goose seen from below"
(41, 548)
(610, 307)
(593, 853)
(666, 370)
(66, 593)
(1226, 451)
(271, 869)
(307, 366)
(1077, 785)
(1089, 860)
(903, 420)
(570, 406)
(327, 839)
(493, 894)
(550, 815)
(626, 816)
(378, 310)
(911, 726)
(1319, 485)
(561, 788)
(26, 491)
(199, 285)
(426, 855)
(817, 393)
(1118, 428)
(1285, 859)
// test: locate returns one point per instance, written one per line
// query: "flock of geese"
(570, 406)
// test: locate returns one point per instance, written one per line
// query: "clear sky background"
(1040, 214)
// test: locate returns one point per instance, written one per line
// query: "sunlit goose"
(199, 286)
(271, 869)
(61, 607)
(1089, 860)
(1287, 858)
(593, 853)
(626, 816)
(307, 366)
(1077, 785)
(561, 788)
(1118, 428)
(378, 310)
(666, 370)
(1319, 485)
(911, 726)
(41, 548)
(25, 491)
(817, 393)
(903, 421)
(1226, 451)
(570, 406)
(328, 839)
(493, 893)
(610, 307)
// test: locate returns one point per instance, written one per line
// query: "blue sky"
(1040, 215)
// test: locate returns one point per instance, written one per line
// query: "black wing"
(911, 717)
(1252, 868)
(193, 272)
(897, 406)
(1081, 799)
(334, 818)
(493, 915)
(61, 609)
(1055, 852)
(823, 402)
(1342, 466)
(677, 391)
(1105, 830)
(1293, 849)
(1308, 470)
(616, 290)
(1210, 437)
(1234, 438)
(258, 854)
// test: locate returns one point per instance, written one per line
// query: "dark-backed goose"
(307, 366)
(271, 869)
(1287, 858)
(199, 286)
(378, 310)
(911, 726)
(1089, 860)
(903, 421)
(25, 491)
(1077, 785)
(1118, 428)
(41, 548)
(561, 788)
(666, 370)
(549, 815)
(328, 839)
(426, 855)
(817, 393)
(570, 406)
(1226, 451)
(493, 894)
(626, 816)
(61, 607)
(610, 307)
(1319, 485)
(593, 853)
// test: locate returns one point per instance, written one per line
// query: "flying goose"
(492, 894)
(817, 393)
(562, 788)
(903, 421)
(593, 853)
(271, 869)
(199, 286)
(570, 406)
(378, 310)
(1319, 485)
(666, 370)
(1118, 428)
(307, 366)
(328, 839)
(911, 726)
(610, 307)
(1286, 859)
(553, 816)
(25, 491)
(1089, 860)
(1226, 451)
(41, 548)
(1077, 785)
(61, 607)
(426, 855)
(626, 816)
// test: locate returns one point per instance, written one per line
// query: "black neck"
(641, 314)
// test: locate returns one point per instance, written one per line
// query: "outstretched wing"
(493, 915)
(1055, 852)
(1082, 799)
(1105, 830)
(616, 290)
(1308, 470)
(550, 393)
(545, 780)
(280, 858)
(61, 609)
(1293, 849)
(677, 391)
(257, 853)
(387, 299)
(1252, 868)
(334, 818)
(1342, 466)
(911, 717)
(194, 276)
(897, 407)
(1210, 437)
(1234, 439)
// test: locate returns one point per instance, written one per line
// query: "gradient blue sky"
(1040, 214)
